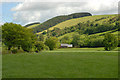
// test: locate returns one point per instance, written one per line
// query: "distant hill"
(56, 20)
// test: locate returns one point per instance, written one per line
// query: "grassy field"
(62, 63)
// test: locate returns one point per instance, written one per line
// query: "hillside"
(86, 25)
(56, 20)
(32, 25)
(72, 22)
(101, 35)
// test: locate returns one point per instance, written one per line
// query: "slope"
(55, 20)
(96, 19)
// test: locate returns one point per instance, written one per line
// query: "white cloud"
(41, 11)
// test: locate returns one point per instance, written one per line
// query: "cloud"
(41, 11)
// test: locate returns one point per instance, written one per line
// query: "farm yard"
(62, 63)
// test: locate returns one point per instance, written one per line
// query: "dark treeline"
(52, 22)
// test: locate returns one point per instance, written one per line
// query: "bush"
(52, 43)
(39, 46)
(46, 48)
(14, 51)
(110, 42)
(26, 47)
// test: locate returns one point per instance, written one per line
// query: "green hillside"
(101, 35)
(32, 25)
(58, 19)
(86, 25)
(72, 22)
(91, 28)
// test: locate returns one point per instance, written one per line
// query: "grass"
(56, 64)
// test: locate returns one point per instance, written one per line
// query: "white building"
(66, 45)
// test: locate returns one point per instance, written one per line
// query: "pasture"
(62, 63)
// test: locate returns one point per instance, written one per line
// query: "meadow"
(62, 63)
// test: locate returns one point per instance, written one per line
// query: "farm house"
(66, 45)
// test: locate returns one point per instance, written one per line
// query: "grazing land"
(62, 63)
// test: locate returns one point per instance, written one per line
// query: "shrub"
(46, 48)
(26, 47)
(110, 42)
(39, 45)
(52, 43)
(14, 51)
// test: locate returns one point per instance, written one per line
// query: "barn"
(66, 45)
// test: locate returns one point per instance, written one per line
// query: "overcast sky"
(39, 11)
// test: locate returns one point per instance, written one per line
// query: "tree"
(44, 32)
(52, 43)
(41, 37)
(14, 35)
(110, 42)
(75, 40)
(39, 45)
(66, 39)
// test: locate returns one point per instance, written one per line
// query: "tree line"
(80, 41)
(16, 37)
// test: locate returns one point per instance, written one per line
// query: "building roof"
(68, 45)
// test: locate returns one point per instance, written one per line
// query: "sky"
(25, 12)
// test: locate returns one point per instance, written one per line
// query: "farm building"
(66, 45)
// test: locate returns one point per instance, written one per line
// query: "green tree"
(76, 39)
(44, 33)
(110, 42)
(14, 35)
(52, 43)
(66, 39)
(41, 37)
(39, 46)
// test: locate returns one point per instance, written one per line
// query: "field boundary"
(82, 51)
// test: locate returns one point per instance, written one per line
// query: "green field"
(62, 63)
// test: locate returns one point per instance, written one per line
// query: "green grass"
(56, 64)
